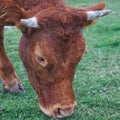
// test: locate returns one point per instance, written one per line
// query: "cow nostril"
(59, 111)
(64, 111)
(41, 59)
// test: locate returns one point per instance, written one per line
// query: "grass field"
(97, 79)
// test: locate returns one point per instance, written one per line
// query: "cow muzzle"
(59, 111)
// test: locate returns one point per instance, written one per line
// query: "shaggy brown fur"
(10, 13)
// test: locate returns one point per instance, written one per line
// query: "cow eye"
(42, 61)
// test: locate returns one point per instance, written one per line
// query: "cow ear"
(11, 13)
(88, 14)
(99, 6)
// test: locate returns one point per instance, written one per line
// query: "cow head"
(51, 46)
(51, 53)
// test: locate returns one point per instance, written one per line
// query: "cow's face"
(50, 58)
(51, 53)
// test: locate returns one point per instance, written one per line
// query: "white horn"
(95, 14)
(30, 22)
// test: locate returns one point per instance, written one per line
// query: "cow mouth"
(58, 111)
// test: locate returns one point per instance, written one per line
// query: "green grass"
(97, 79)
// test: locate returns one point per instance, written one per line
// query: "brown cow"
(51, 46)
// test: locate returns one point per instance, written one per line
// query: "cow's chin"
(59, 111)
